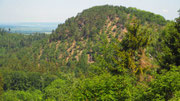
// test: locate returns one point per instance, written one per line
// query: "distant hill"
(30, 27)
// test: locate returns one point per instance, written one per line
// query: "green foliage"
(106, 87)
(30, 95)
(19, 80)
(92, 57)
(176, 96)
(122, 57)
(82, 64)
(16, 81)
(147, 16)
(17, 48)
(135, 41)
(137, 36)
(165, 86)
(170, 46)
(89, 23)
(58, 90)
(1, 85)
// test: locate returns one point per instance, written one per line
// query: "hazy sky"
(59, 10)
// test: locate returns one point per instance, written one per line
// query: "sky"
(12, 11)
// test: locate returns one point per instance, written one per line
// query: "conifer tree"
(136, 40)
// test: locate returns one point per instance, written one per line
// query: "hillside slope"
(104, 53)
(79, 37)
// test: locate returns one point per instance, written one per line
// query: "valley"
(104, 53)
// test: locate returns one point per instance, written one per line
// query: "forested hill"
(103, 53)
(80, 36)
(97, 19)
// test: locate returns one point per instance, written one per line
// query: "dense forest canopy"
(104, 53)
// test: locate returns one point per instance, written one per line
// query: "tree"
(136, 40)
(59, 90)
(1, 85)
(164, 87)
(106, 87)
(17, 95)
(137, 36)
(171, 45)
(177, 24)
(179, 12)
(83, 62)
(9, 29)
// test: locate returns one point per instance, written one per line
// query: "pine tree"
(136, 40)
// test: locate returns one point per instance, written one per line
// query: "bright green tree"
(164, 87)
(171, 42)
